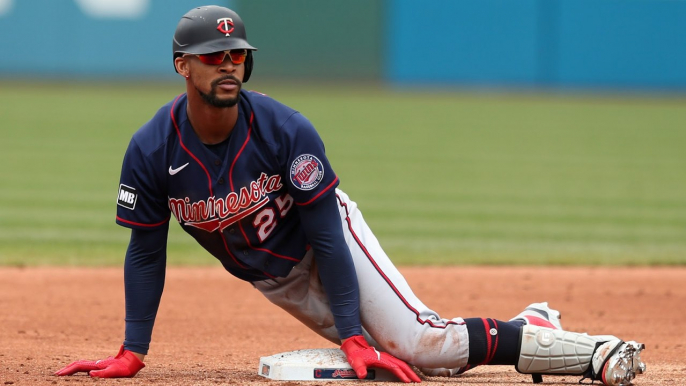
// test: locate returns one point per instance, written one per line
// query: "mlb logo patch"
(306, 172)
(127, 197)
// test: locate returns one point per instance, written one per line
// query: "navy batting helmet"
(211, 28)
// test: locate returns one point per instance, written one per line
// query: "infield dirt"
(212, 329)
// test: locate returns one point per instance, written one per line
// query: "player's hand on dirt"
(124, 365)
(361, 356)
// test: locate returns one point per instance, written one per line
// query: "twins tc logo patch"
(306, 172)
(127, 197)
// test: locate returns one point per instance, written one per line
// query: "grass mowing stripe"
(441, 177)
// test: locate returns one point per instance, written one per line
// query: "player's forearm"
(144, 273)
(322, 225)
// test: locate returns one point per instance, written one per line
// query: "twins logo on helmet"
(225, 25)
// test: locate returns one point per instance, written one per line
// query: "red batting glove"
(361, 355)
(124, 365)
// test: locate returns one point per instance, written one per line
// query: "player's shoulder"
(265, 102)
(155, 133)
(275, 114)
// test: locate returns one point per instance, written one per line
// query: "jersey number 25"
(265, 221)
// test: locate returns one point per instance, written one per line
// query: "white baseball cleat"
(539, 314)
(616, 363)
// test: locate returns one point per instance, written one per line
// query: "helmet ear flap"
(248, 66)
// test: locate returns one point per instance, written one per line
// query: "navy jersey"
(240, 206)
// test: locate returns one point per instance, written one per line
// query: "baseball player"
(248, 178)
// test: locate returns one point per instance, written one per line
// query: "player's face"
(217, 76)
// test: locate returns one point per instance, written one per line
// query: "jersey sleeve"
(308, 171)
(322, 225)
(144, 273)
(142, 198)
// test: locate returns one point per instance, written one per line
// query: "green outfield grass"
(442, 178)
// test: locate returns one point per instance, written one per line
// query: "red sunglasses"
(216, 58)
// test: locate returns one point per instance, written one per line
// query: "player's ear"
(182, 66)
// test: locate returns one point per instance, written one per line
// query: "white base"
(327, 364)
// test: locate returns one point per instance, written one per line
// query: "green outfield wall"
(317, 39)
(611, 44)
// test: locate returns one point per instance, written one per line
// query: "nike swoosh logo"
(174, 171)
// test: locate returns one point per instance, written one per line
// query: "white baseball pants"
(393, 318)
